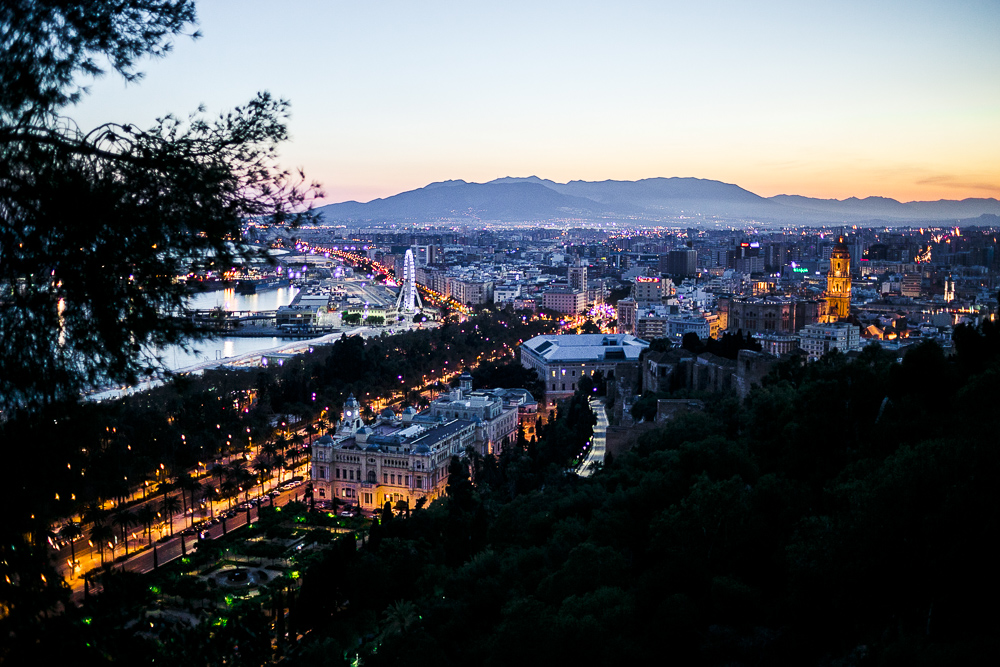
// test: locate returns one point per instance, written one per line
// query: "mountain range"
(691, 200)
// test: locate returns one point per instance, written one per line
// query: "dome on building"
(840, 249)
(372, 448)
(421, 449)
(325, 440)
(387, 414)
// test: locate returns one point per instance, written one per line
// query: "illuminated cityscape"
(616, 412)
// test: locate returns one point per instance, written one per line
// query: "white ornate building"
(405, 457)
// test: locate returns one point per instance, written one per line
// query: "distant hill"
(654, 199)
(882, 207)
(458, 200)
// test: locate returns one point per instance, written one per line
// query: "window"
(338, 473)
(371, 477)
(392, 479)
(352, 475)
(385, 478)
(420, 483)
(407, 480)
(322, 493)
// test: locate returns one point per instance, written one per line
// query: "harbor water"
(176, 358)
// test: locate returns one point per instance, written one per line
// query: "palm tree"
(72, 532)
(146, 515)
(101, 535)
(170, 506)
(210, 494)
(218, 472)
(228, 490)
(298, 440)
(94, 513)
(279, 463)
(245, 480)
(323, 425)
(399, 617)
(262, 466)
(192, 486)
(124, 520)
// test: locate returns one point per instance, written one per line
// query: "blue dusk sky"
(832, 99)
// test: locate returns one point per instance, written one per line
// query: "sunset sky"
(836, 99)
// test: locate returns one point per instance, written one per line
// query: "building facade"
(565, 300)
(562, 360)
(648, 291)
(784, 315)
(627, 309)
(577, 276)
(405, 457)
(818, 339)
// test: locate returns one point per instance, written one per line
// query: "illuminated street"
(598, 441)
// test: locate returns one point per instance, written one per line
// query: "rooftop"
(586, 347)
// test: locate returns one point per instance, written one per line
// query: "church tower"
(351, 419)
(838, 282)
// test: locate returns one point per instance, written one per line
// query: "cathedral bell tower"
(838, 283)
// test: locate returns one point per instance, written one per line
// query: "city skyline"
(898, 101)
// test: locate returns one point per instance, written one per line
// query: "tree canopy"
(96, 225)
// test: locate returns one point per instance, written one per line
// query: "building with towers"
(838, 283)
(403, 457)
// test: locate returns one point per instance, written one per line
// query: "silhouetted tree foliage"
(838, 516)
(96, 225)
(507, 375)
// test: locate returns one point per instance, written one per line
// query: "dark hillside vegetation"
(841, 516)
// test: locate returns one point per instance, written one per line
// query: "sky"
(834, 99)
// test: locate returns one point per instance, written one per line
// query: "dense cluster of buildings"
(895, 285)
(805, 292)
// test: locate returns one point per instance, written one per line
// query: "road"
(181, 543)
(599, 439)
(88, 556)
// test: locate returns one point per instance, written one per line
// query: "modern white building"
(818, 339)
(562, 360)
(504, 293)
